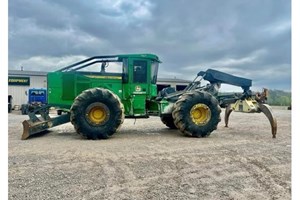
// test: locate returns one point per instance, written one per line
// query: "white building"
(20, 81)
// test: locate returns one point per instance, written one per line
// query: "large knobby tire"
(197, 114)
(168, 121)
(97, 113)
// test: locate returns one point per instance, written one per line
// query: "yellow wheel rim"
(200, 114)
(97, 113)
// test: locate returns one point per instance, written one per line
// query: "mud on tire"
(97, 113)
(197, 114)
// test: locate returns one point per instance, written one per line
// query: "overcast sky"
(248, 38)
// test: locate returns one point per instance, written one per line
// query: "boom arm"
(214, 76)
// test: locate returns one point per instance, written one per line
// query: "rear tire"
(97, 113)
(197, 114)
(168, 121)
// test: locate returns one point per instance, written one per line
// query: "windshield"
(154, 70)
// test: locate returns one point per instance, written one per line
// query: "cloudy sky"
(249, 38)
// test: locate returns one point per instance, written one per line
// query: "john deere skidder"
(97, 93)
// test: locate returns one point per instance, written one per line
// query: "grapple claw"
(227, 113)
(267, 110)
(250, 106)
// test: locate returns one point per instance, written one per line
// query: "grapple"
(253, 105)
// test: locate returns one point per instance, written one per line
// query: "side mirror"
(26, 93)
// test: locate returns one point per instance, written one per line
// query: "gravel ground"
(146, 160)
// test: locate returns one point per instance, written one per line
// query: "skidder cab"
(97, 93)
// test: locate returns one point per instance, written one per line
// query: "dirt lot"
(146, 160)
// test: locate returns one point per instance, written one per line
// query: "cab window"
(140, 71)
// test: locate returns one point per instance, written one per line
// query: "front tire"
(197, 114)
(97, 113)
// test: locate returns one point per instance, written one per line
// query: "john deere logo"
(138, 88)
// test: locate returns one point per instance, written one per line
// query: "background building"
(20, 81)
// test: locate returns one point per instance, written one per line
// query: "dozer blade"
(37, 125)
(267, 110)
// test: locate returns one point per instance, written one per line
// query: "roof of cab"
(145, 55)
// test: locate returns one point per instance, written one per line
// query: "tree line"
(279, 98)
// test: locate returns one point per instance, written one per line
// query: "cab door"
(137, 89)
